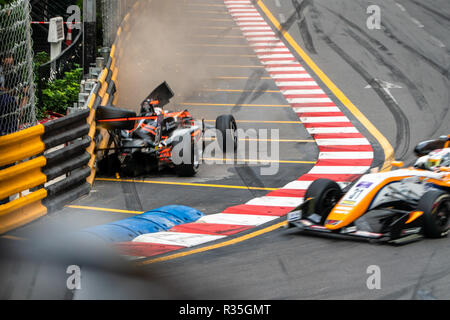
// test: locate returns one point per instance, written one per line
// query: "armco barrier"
(105, 92)
(30, 161)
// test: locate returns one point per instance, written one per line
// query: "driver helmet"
(147, 107)
(438, 158)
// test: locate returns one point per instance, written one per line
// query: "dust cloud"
(156, 48)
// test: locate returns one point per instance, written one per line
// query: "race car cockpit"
(433, 154)
(155, 124)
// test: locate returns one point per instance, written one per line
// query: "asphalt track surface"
(410, 51)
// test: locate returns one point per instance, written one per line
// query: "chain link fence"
(113, 12)
(17, 92)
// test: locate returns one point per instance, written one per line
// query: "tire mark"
(414, 291)
(402, 140)
(299, 17)
(252, 85)
(417, 95)
(444, 71)
(13, 274)
(250, 179)
(422, 276)
(132, 201)
(437, 13)
(303, 25)
(414, 90)
(36, 267)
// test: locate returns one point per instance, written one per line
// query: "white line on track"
(291, 76)
(276, 201)
(324, 119)
(308, 100)
(350, 129)
(339, 169)
(177, 238)
(346, 155)
(314, 109)
(236, 219)
(303, 185)
(296, 83)
(278, 61)
(342, 142)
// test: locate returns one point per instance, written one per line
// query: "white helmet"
(438, 158)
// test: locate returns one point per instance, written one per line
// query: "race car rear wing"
(163, 93)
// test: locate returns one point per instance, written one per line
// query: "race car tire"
(226, 126)
(435, 205)
(326, 194)
(188, 169)
(109, 112)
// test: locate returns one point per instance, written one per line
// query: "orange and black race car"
(156, 138)
(398, 206)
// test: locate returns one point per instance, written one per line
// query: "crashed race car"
(398, 207)
(141, 144)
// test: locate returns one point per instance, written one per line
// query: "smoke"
(156, 48)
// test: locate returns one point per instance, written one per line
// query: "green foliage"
(4, 2)
(59, 94)
(40, 58)
(62, 93)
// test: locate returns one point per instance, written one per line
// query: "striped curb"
(345, 153)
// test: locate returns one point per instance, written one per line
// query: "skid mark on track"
(131, 196)
(402, 140)
(250, 90)
(431, 10)
(300, 8)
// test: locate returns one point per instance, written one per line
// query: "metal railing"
(17, 92)
(56, 68)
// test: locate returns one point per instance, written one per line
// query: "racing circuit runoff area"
(201, 52)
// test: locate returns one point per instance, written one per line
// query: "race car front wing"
(311, 225)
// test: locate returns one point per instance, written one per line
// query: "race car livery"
(396, 206)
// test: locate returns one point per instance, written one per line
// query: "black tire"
(435, 205)
(109, 112)
(188, 169)
(326, 194)
(226, 125)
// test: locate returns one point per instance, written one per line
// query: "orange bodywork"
(346, 214)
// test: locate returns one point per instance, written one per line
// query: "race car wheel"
(326, 194)
(435, 205)
(189, 169)
(226, 125)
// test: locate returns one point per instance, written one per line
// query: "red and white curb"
(344, 155)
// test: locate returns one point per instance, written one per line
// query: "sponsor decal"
(333, 222)
(364, 184)
(410, 231)
(293, 216)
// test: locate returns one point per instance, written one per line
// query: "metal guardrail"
(31, 163)
(56, 68)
